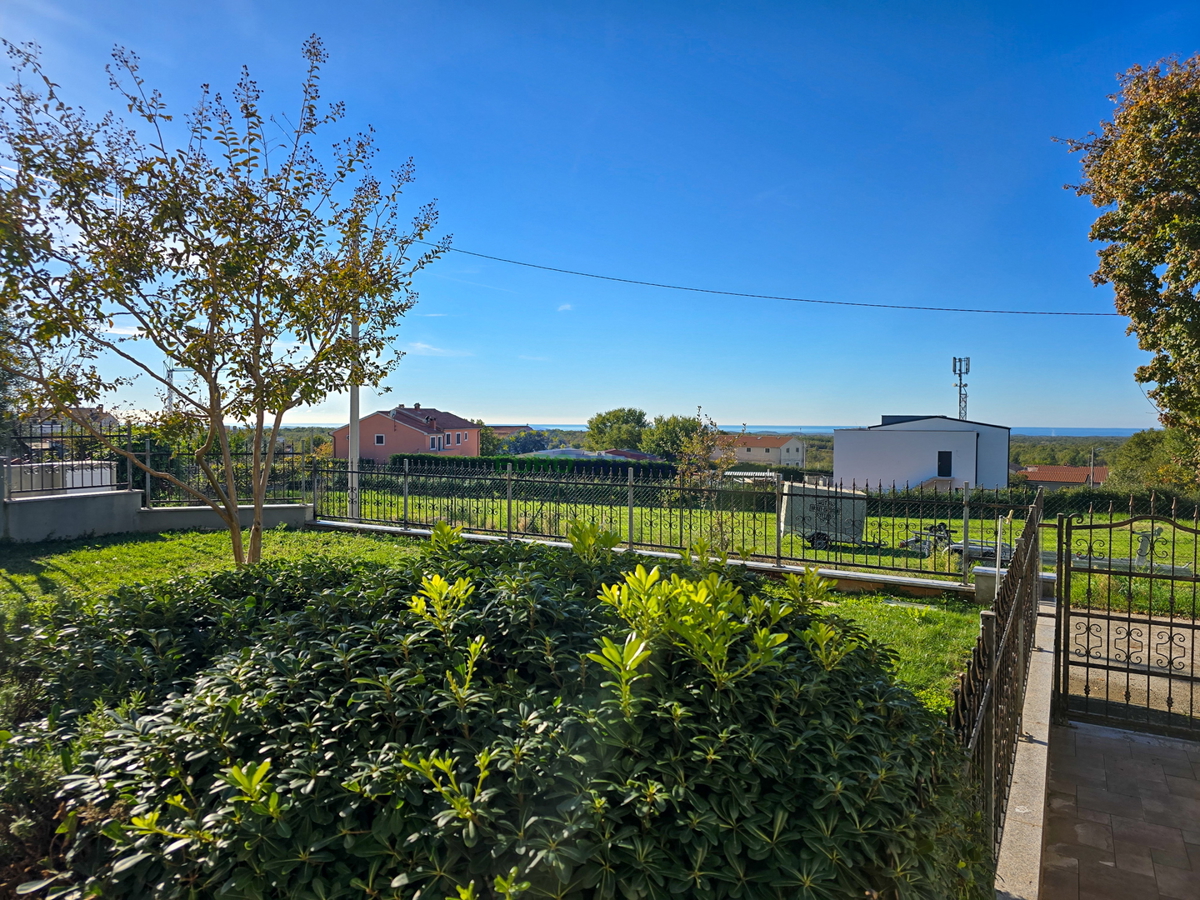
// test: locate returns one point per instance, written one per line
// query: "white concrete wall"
(904, 458)
(66, 516)
(992, 452)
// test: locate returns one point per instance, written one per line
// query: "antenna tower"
(962, 366)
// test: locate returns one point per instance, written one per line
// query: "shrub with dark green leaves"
(508, 720)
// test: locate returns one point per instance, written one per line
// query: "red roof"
(762, 440)
(1065, 474)
(422, 418)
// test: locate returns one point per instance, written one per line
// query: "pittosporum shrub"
(509, 720)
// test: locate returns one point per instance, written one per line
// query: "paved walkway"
(1123, 817)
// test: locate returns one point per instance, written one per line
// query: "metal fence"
(1127, 653)
(991, 692)
(46, 459)
(869, 528)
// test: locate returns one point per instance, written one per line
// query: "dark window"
(379, 440)
(945, 463)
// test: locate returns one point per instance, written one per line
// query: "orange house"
(414, 429)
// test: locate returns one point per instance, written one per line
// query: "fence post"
(987, 627)
(508, 489)
(312, 476)
(778, 519)
(149, 481)
(966, 554)
(629, 471)
(406, 492)
(5, 477)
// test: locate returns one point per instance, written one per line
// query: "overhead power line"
(699, 290)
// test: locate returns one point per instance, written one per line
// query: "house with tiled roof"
(768, 449)
(1053, 478)
(409, 429)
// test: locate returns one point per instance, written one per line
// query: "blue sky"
(871, 152)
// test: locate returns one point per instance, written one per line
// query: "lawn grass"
(932, 643)
(33, 576)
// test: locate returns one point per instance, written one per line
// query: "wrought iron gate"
(1127, 650)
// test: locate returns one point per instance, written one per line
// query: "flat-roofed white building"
(931, 451)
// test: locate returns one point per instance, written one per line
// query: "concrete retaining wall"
(68, 516)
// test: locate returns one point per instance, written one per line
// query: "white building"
(932, 451)
(768, 449)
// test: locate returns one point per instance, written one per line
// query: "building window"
(458, 437)
(379, 440)
(433, 443)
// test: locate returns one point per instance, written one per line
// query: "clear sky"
(871, 152)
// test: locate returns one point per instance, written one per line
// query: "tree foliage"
(1154, 459)
(224, 246)
(668, 435)
(1143, 170)
(616, 429)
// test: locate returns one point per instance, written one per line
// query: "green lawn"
(34, 575)
(933, 643)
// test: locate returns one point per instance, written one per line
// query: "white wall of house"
(992, 463)
(903, 458)
(906, 452)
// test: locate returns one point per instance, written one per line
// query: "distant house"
(1053, 478)
(935, 452)
(414, 429)
(96, 416)
(635, 455)
(772, 449)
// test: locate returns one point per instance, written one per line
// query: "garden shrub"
(510, 719)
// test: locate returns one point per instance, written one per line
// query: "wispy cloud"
(123, 329)
(566, 307)
(535, 358)
(419, 349)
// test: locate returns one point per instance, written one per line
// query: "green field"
(35, 575)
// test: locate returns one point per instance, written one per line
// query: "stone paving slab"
(1123, 816)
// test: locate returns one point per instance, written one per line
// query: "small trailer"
(824, 516)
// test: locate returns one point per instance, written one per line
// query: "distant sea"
(829, 429)
(812, 429)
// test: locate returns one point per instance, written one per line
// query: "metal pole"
(406, 491)
(630, 491)
(778, 519)
(966, 517)
(987, 626)
(508, 488)
(999, 546)
(353, 508)
(149, 480)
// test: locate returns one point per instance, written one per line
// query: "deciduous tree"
(667, 435)
(1143, 170)
(619, 429)
(224, 245)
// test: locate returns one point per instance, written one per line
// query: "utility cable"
(699, 290)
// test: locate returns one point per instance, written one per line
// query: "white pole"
(353, 508)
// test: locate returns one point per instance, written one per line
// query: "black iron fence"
(50, 458)
(991, 692)
(45, 459)
(924, 533)
(1128, 651)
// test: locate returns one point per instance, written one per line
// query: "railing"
(850, 526)
(45, 459)
(289, 479)
(988, 700)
